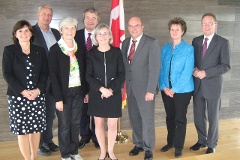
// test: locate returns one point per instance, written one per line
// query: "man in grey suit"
(212, 60)
(141, 56)
(45, 37)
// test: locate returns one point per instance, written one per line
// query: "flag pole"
(117, 25)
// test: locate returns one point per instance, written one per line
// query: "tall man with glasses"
(212, 60)
(45, 36)
(141, 57)
(83, 38)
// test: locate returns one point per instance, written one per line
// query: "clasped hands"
(199, 73)
(169, 92)
(106, 92)
(30, 94)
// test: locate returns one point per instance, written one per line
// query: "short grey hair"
(97, 30)
(44, 6)
(66, 21)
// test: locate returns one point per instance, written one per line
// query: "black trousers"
(87, 132)
(176, 110)
(47, 135)
(69, 121)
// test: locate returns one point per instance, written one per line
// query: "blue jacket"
(181, 67)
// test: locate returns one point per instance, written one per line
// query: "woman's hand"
(105, 92)
(86, 98)
(25, 93)
(59, 105)
(34, 93)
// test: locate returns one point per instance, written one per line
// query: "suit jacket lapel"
(211, 46)
(200, 43)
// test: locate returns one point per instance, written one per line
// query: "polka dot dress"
(27, 116)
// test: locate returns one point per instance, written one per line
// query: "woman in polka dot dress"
(25, 70)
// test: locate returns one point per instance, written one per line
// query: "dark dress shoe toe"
(178, 153)
(82, 143)
(96, 145)
(148, 155)
(166, 148)
(135, 151)
(44, 151)
(210, 150)
(197, 146)
(52, 147)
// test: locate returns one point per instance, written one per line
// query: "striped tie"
(89, 42)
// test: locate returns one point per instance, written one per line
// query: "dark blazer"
(215, 63)
(59, 69)
(38, 38)
(14, 68)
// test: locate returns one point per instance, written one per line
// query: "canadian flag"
(117, 25)
(117, 22)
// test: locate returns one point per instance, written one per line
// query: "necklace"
(27, 51)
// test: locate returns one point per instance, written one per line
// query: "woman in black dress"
(105, 75)
(24, 67)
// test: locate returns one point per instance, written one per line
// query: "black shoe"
(96, 145)
(135, 151)
(148, 155)
(197, 146)
(43, 151)
(210, 150)
(82, 143)
(166, 148)
(178, 153)
(51, 146)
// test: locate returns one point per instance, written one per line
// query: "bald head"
(135, 27)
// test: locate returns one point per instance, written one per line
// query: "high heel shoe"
(107, 155)
(111, 158)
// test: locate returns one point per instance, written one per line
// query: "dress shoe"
(197, 146)
(148, 155)
(44, 151)
(82, 143)
(107, 155)
(166, 148)
(51, 146)
(135, 151)
(210, 150)
(96, 145)
(178, 153)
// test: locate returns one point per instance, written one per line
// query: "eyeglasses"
(208, 23)
(102, 34)
(136, 26)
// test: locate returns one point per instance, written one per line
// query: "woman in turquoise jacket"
(176, 84)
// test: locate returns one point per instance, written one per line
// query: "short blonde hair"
(97, 30)
(66, 21)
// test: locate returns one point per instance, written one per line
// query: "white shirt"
(136, 44)
(86, 34)
(209, 39)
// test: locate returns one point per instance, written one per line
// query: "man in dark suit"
(45, 37)
(91, 18)
(141, 57)
(212, 60)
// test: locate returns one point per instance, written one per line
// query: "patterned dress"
(27, 116)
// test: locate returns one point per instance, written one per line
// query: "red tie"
(204, 49)
(132, 50)
(89, 42)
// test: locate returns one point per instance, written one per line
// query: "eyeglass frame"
(207, 23)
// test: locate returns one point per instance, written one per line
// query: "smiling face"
(135, 27)
(176, 32)
(90, 21)
(68, 31)
(44, 16)
(103, 36)
(208, 25)
(23, 34)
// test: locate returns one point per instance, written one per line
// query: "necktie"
(89, 42)
(204, 49)
(132, 50)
